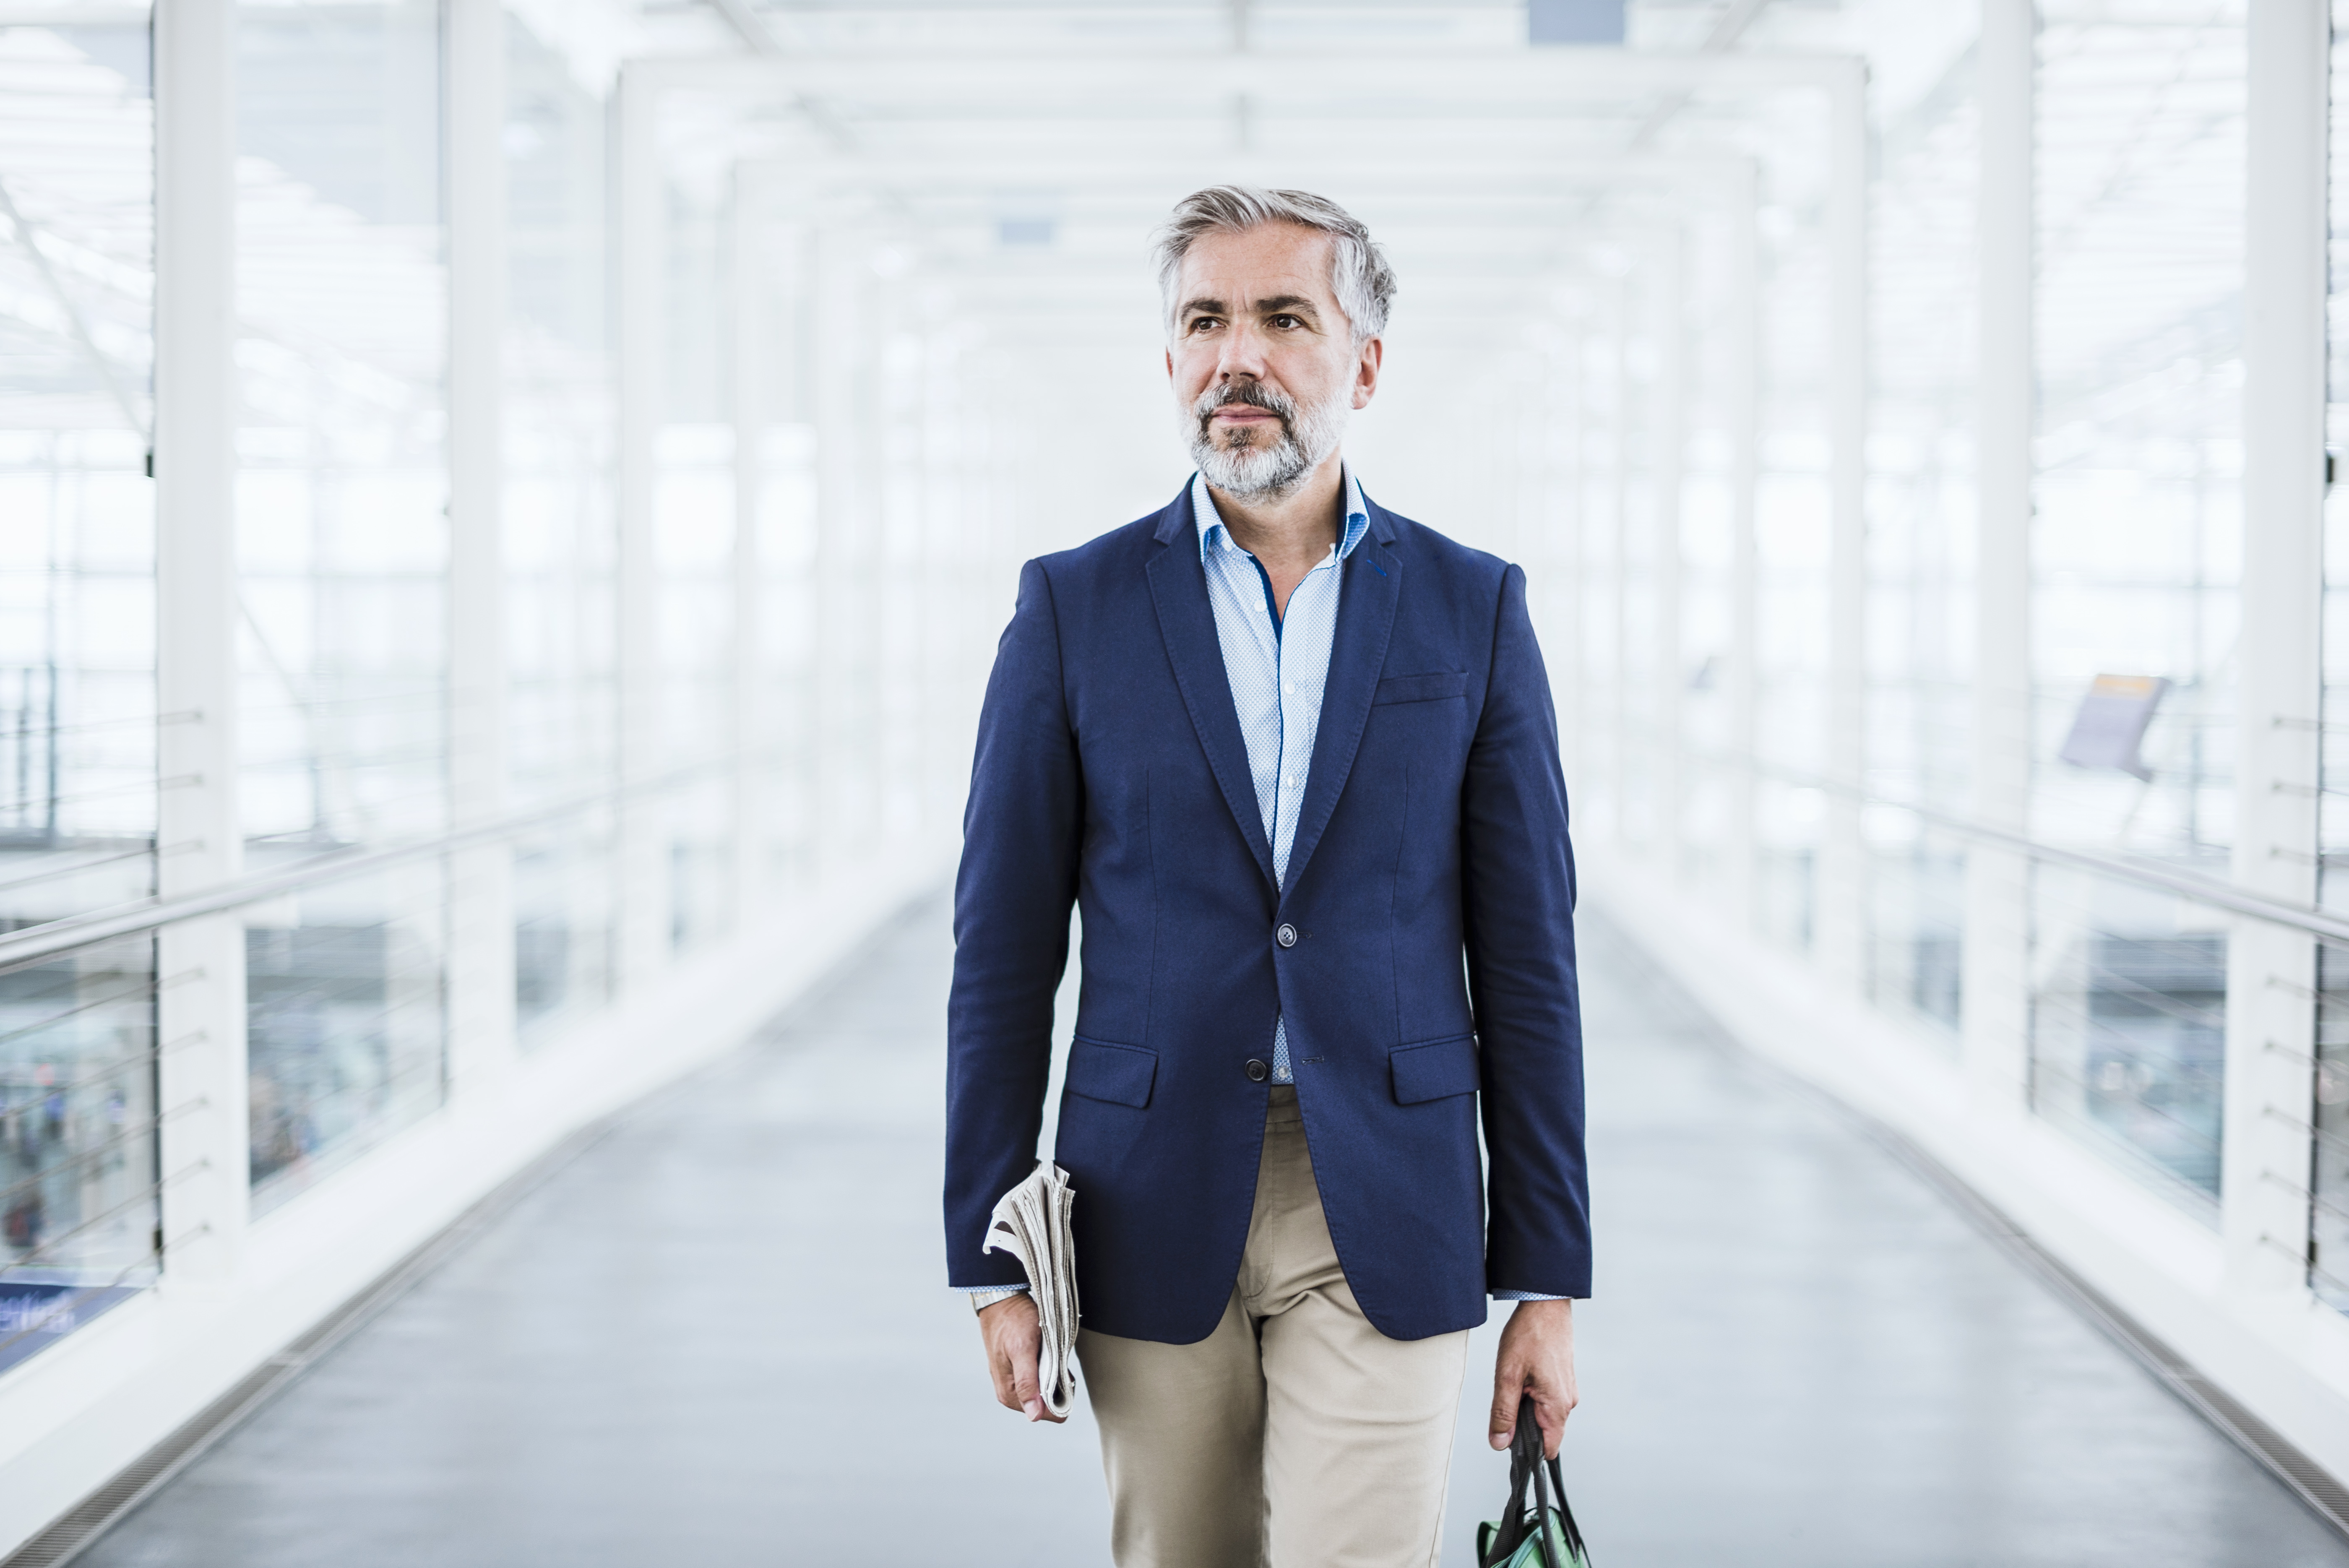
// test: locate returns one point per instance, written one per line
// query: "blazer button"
(1257, 1072)
(1285, 936)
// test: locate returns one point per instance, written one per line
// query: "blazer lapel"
(1178, 589)
(1358, 652)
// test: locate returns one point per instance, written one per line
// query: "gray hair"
(1359, 274)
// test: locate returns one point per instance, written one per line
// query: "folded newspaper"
(1031, 1223)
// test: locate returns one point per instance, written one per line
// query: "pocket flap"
(1422, 688)
(1122, 1075)
(1434, 1069)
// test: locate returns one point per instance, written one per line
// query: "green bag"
(1546, 1537)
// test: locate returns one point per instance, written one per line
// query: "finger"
(1027, 1398)
(1552, 1421)
(998, 1368)
(1508, 1387)
(1549, 1414)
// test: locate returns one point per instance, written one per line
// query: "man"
(1293, 756)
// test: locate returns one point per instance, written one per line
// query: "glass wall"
(342, 550)
(2328, 1250)
(2111, 995)
(1920, 520)
(2140, 151)
(77, 551)
(78, 720)
(560, 522)
(694, 525)
(358, 1021)
(1792, 533)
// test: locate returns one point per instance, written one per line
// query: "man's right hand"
(1014, 1342)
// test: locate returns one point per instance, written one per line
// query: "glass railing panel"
(1915, 919)
(79, 1123)
(1787, 822)
(565, 924)
(2328, 1216)
(346, 1020)
(2128, 1027)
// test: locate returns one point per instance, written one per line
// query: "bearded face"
(1253, 460)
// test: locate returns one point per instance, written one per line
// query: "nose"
(1242, 356)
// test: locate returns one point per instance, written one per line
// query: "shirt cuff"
(984, 1290)
(1527, 1296)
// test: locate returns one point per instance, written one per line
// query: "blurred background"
(505, 509)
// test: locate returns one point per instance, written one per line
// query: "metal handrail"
(2307, 919)
(36, 943)
(2331, 930)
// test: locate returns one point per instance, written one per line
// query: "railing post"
(2272, 973)
(481, 1009)
(199, 963)
(1994, 1007)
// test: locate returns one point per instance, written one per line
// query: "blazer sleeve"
(1518, 908)
(1021, 831)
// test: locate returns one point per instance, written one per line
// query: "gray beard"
(1252, 468)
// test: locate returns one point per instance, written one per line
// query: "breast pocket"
(1430, 688)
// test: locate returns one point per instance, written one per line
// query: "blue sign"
(1573, 21)
(35, 1314)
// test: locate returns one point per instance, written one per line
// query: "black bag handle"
(1526, 1464)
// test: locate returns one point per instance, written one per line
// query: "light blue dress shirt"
(1279, 667)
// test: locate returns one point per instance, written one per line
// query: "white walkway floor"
(719, 1337)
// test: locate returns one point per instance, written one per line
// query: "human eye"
(1203, 324)
(1286, 321)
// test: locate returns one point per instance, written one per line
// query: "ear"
(1366, 371)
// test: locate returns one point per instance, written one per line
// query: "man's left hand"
(1536, 1358)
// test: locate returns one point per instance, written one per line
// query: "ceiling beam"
(1374, 81)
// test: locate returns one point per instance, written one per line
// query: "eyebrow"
(1295, 304)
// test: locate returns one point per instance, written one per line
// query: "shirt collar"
(1212, 536)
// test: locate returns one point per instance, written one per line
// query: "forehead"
(1256, 263)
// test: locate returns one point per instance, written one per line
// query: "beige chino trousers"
(1294, 1435)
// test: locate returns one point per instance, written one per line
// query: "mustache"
(1254, 394)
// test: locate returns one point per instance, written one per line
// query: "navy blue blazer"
(1111, 773)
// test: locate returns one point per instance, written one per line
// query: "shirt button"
(1257, 1071)
(1285, 936)
(1290, 688)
